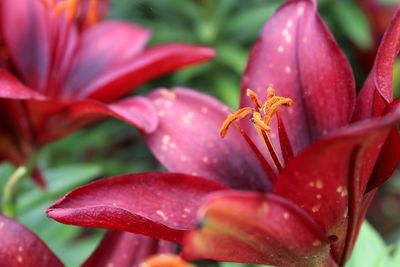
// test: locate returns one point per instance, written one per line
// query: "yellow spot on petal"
(162, 215)
(316, 208)
(316, 243)
(319, 184)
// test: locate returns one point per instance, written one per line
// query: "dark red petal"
(54, 119)
(161, 205)
(377, 93)
(187, 140)
(124, 249)
(297, 55)
(103, 49)
(26, 34)
(11, 87)
(328, 179)
(151, 63)
(20, 247)
(256, 228)
(389, 158)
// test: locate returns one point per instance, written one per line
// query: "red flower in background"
(61, 74)
(21, 247)
(303, 176)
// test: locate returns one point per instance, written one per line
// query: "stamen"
(259, 122)
(240, 114)
(161, 260)
(69, 6)
(272, 106)
(92, 16)
(262, 115)
(254, 98)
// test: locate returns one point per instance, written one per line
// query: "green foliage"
(371, 251)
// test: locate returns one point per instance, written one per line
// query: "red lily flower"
(306, 173)
(21, 247)
(65, 76)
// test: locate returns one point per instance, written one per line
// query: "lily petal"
(102, 49)
(151, 63)
(20, 247)
(29, 46)
(187, 140)
(54, 119)
(329, 178)
(297, 55)
(258, 229)
(377, 92)
(12, 88)
(389, 157)
(124, 249)
(161, 205)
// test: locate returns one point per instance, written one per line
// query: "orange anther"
(165, 260)
(240, 114)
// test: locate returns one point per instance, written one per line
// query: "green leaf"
(60, 181)
(370, 249)
(353, 22)
(396, 79)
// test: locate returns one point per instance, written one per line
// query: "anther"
(70, 7)
(254, 98)
(259, 122)
(92, 16)
(240, 114)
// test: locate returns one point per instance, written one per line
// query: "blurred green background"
(231, 27)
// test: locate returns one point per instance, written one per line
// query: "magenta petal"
(256, 228)
(20, 247)
(54, 119)
(329, 178)
(11, 87)
(26, 34)
(102, 49)
(297, 55)
(187, 140)
(151, 63)
(124, 249)
(161, 205)
(376, 93)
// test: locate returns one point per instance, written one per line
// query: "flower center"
(71, 8)
(261, 118)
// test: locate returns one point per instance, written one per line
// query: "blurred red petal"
(12, 88)
(26, 34)
(54, 119)
(297, 55)
(187, 140)
(377, 93)
(256, 228)
(102, 49)
(20, 247)
(161, 205)
(124, 249)
(151, 63)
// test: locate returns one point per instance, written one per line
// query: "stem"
(8, 200)
(9, 197)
